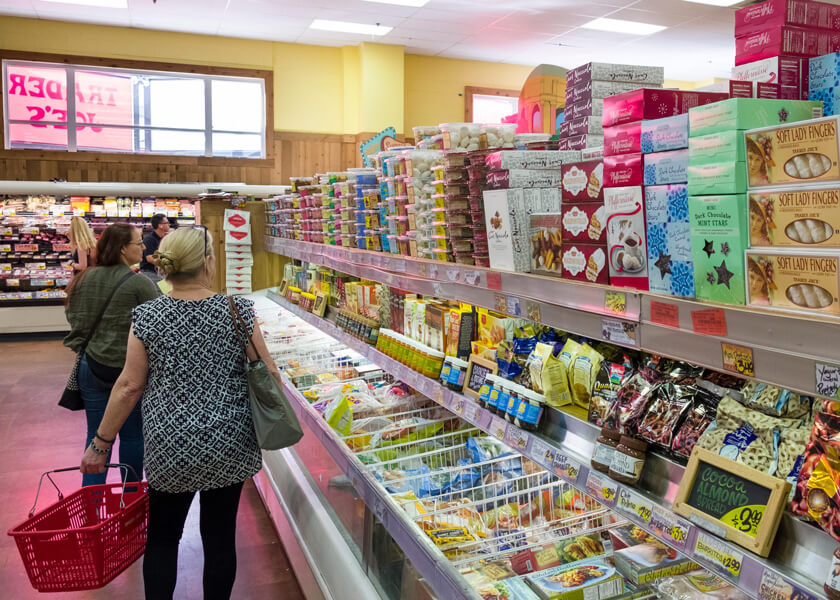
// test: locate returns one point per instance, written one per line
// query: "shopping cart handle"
(46, 474)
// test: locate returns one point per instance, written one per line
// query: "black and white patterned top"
(197, 424)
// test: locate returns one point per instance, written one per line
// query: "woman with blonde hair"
(82, 244)
(186, 365)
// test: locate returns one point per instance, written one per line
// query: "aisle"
(36, 435)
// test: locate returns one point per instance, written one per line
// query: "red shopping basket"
(84, 540)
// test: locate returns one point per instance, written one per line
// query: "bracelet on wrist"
(97, 450)
(102, 439)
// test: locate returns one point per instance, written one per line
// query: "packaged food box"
(597, 89)
(623, 139)
(721, 147)
(583, 181)
(804, 152)
(592, 153)
(523, 178)
(584, 222)
(802, 281)
(595, 579)
(519, 159)
(611, 72)
(807, 217)
(623, 170)
(662, 168)
(585, 262)
(771, 14)
(646, 103)
(546, 243)
(749, 113)
(626, 236)
(792, 41)
(717, 178)
(661, 135)
(581, 126)
(822, 81)
(579, 142)
(671, 269)
(718, 239)
(645, 563)
(790, 72)
(584, 108)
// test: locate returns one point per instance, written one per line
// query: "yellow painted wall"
(382, 68)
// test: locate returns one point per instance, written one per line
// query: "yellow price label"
(726, 560)
(677, 533)
(607, 493)
(616, 302)
(644, 513)
(745, 519)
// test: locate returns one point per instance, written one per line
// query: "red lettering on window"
(17, 84)
(36, 87)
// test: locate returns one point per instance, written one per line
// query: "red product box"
(767, 90)
(647, 103)
(774, 13)
(582, 126)
(623, 139)
(584, 222)
(583, 181)
(790, 72)
(623, 170)
(792, 41)
(741, 89)
(586, 262)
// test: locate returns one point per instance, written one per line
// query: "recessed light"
(347, 27)
(715, 2)
(97, 3)
(415, 3)
(621, 26)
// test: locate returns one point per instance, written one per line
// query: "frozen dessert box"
(523, 178)
(579, 142)
(529, 159)
(661, 135)
(718, 240)
(790, 280)
(597, 89)
(790, 72)
(793, 154)
(642, 104)
(772, 14)
(648, 562)
(584, 222)
(717, 178)
(623, 170)
(725, 146)
(662, 168)
(670, 266)
(585, 262)
(583, 181)
(546, 232)
(749, 113)
(648, 76)
(785, 40)
(581, 126)
(807, 217)
(626, 236)
(593, 579)
(584, 108)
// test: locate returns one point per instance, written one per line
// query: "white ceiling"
(697, 44)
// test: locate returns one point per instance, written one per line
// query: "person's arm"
(83, 262)
(124, 396)
(148, 253)
(259, 350)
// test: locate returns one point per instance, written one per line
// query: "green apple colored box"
(722, 147)
(749, 113)
(719, 236)
(717, 178)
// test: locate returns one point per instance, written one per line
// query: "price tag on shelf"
(738, 359)
(615, 302)
(711, 321)
(439, 395)
(620, 332)
(542, 453)
(532, 310)
(483, 418)
(438, 291)
(724, 559)
(452, 274)
(601, 488)
(498, 426)
(423, 269)
(514, 307)
(670, 527)
(516, 438)
(458, 406)
(494, 280)
(775, 587)
(398, 265)
(565, 467)
(667, 315)
(631, 503)
(472, 277)
(828, 380)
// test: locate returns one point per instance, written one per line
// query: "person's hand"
(93, 463)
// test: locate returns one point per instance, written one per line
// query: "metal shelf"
(799, 548)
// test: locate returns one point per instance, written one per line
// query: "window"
(132, 111)
(490, 105)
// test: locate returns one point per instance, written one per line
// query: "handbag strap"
(103, 309)
(240, 328)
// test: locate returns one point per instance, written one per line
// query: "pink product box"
(582, 126)
(597, 89)
(626, 236)
(586, 108)
(583, 181)
(623, 170)
(585, 262)
(579, 142)
(623, 139)
(794, 41)
(584, 222)
(643, 104)
(789, 72)
(773, 13)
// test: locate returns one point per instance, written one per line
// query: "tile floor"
(36, 435)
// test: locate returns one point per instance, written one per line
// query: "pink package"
(589, 107)
(773, 13)
(623, 139)
(584, 222)
(648, 103)
(790, 72)
(793, 41)
(623, 170)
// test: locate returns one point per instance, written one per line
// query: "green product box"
(717, 178)
(722, 147)
(749, 113)
(719, 236)
(646, 563)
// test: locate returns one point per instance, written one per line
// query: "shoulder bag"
(275, 422)
(71, 398)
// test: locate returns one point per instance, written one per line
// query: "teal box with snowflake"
(671, 267)
(824, 82)
(719, 236)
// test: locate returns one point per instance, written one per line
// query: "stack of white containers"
(239, 260)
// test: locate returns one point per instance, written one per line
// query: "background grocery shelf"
(799, 548)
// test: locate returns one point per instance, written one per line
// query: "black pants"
(167, 514)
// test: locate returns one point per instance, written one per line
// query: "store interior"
(552, 286)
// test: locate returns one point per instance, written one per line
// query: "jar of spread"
(628, 460)
(516, 396)
(530, 411)
(605, 446)
(503, 398)
(446, 371)
(458, 375)
(485, 391)
(832, 582)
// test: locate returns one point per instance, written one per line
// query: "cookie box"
(662, 168)
(579, 142)
(511, 159)
(718, 240)
(585, 262)
(546, 243)
(671, 270)
(792, 41)
(597, 89)
(592, 153)
(807, 217)
(646, 103)
(593, 579)
(583, 181)
(774, 13)
(790, 72)
(623, 139)
(584, 222)
(822, 81)
(626, 236)
(585, 108)
(749, 113)
(649, 562)
(717, 178)
(793, 280)
(523, 178)
(662, 135)
(582, 126)
(622, 170)
(611, 72)
(508, 227)
(722, 147)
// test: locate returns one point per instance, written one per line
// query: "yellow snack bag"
(582, 374)
(549, 376)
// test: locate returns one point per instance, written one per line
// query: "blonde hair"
(80, 236)
(182, 253)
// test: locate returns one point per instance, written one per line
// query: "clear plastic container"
(500, 135)
(425, 131)
(520, 139)
(463, 136)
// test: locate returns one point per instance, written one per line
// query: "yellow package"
(549, 376)
(449, 536)
(339, 415)
(568, 353)
(582, 374)
(794, 280)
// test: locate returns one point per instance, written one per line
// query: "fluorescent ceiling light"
(715, 2)
(415, 3)
(97, 3)
(346, 27)
(620, 26)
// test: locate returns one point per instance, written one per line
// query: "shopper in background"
(102, 362)
(186, 363)
(151, 242)
(82, 244)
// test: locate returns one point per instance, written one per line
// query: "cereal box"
(671, 268)
(626, 236)
(546, 243)
(790, 280)
(584, 222)
(807, 217)
(583, 181)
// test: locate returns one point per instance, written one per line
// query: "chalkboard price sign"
(478, 370)
(732, 500)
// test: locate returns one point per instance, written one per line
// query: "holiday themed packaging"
(610, 72)
(718, 240)
(799, 281)
(722, 147)
(717, 178)
(584, 222)
(789, 72)
(529, 159)
(823, 74)
(749, 113)
(623, 139)
(772, 14)
(523, 178)
(792, 41)
(662, 168)
(584, 108)
(661, 135)
(507, 217)
(642, 104)
(585, 262)
(546, 233)
(627, 249)
(807, 217)
(583, 181)
(670, 266)
(623, 170)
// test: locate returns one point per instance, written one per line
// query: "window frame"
(203, 72)
(470, 91)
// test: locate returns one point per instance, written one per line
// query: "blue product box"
(661, 135)
(670, 265)
(664, 168)
(824, 82)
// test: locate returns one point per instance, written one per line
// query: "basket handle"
(122, 466)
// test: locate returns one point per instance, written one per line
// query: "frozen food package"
(697, 586)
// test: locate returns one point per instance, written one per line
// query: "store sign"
(738, 359)
(383, 140)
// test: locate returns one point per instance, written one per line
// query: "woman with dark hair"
(102, 362)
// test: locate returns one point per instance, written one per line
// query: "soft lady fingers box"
(793, 280)
(808, 217)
